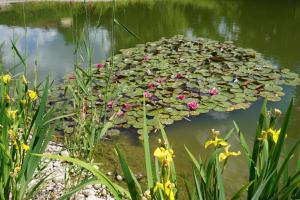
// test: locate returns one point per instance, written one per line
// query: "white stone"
(79, 197)
(104, 192)
(58, 179)
(88, 192)
(119, 178)
(92, 197)
(64, 153)
(97, 186)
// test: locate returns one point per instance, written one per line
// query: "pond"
(48, 33)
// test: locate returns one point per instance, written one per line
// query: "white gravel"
(54, 186)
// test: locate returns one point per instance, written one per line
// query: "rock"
(109, 173)
(97, 186)
(92, 197)
(64, 153)
(104, 192)
(96, 167)
(139, 176)
(79, 197)
(88, 192)
(119, 177)
(58, 179)
(50, 188)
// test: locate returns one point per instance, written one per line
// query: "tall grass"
(90, 109)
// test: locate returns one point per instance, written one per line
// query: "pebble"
(109, 173)
(88, 192)
(64, 153)
(119, 178)
(103, 192)
(56, 181)
(79, 197)
(92, 197)
(97, 186)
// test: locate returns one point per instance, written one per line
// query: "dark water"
(48, 32)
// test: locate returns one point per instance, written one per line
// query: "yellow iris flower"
(25, 147)
(32, 95)
(216, 141)
(227, 153)
(165, 156)
(6, 78)
(168, 188)
(271, 132)
(12, 114)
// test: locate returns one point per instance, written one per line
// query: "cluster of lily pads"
(180, 77)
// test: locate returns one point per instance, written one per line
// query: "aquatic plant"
(217, 76)
(24, 129)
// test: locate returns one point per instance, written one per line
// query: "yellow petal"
(32, 95)
(6, 78)
(235, 153)
(207, 143)
(223, 143)
(25, 147)
(222, 157)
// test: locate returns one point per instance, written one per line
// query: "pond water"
(48, 32)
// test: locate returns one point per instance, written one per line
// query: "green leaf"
(239, 193)
(126, 29)
(281, 137)
(261, 187)
(255, 151)
(133, 185)
(198, 190)
(220, 180)
(196, 164)
(147, 149)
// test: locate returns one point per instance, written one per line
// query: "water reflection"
(46, 48)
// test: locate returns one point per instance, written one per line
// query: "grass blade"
(126, 29)
(147, 149)
(133, 185)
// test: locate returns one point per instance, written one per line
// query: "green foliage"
(24, 129)
(268, 165)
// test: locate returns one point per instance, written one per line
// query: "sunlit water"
(48, 33)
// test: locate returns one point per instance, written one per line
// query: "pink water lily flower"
(213, 91)
(193, 105)
(126, 106)
(110, 104)
(152, 85)
(146, 58)
(181, 97)
(179, 76)
(99, 65)
(120, 113)
(147, 94)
